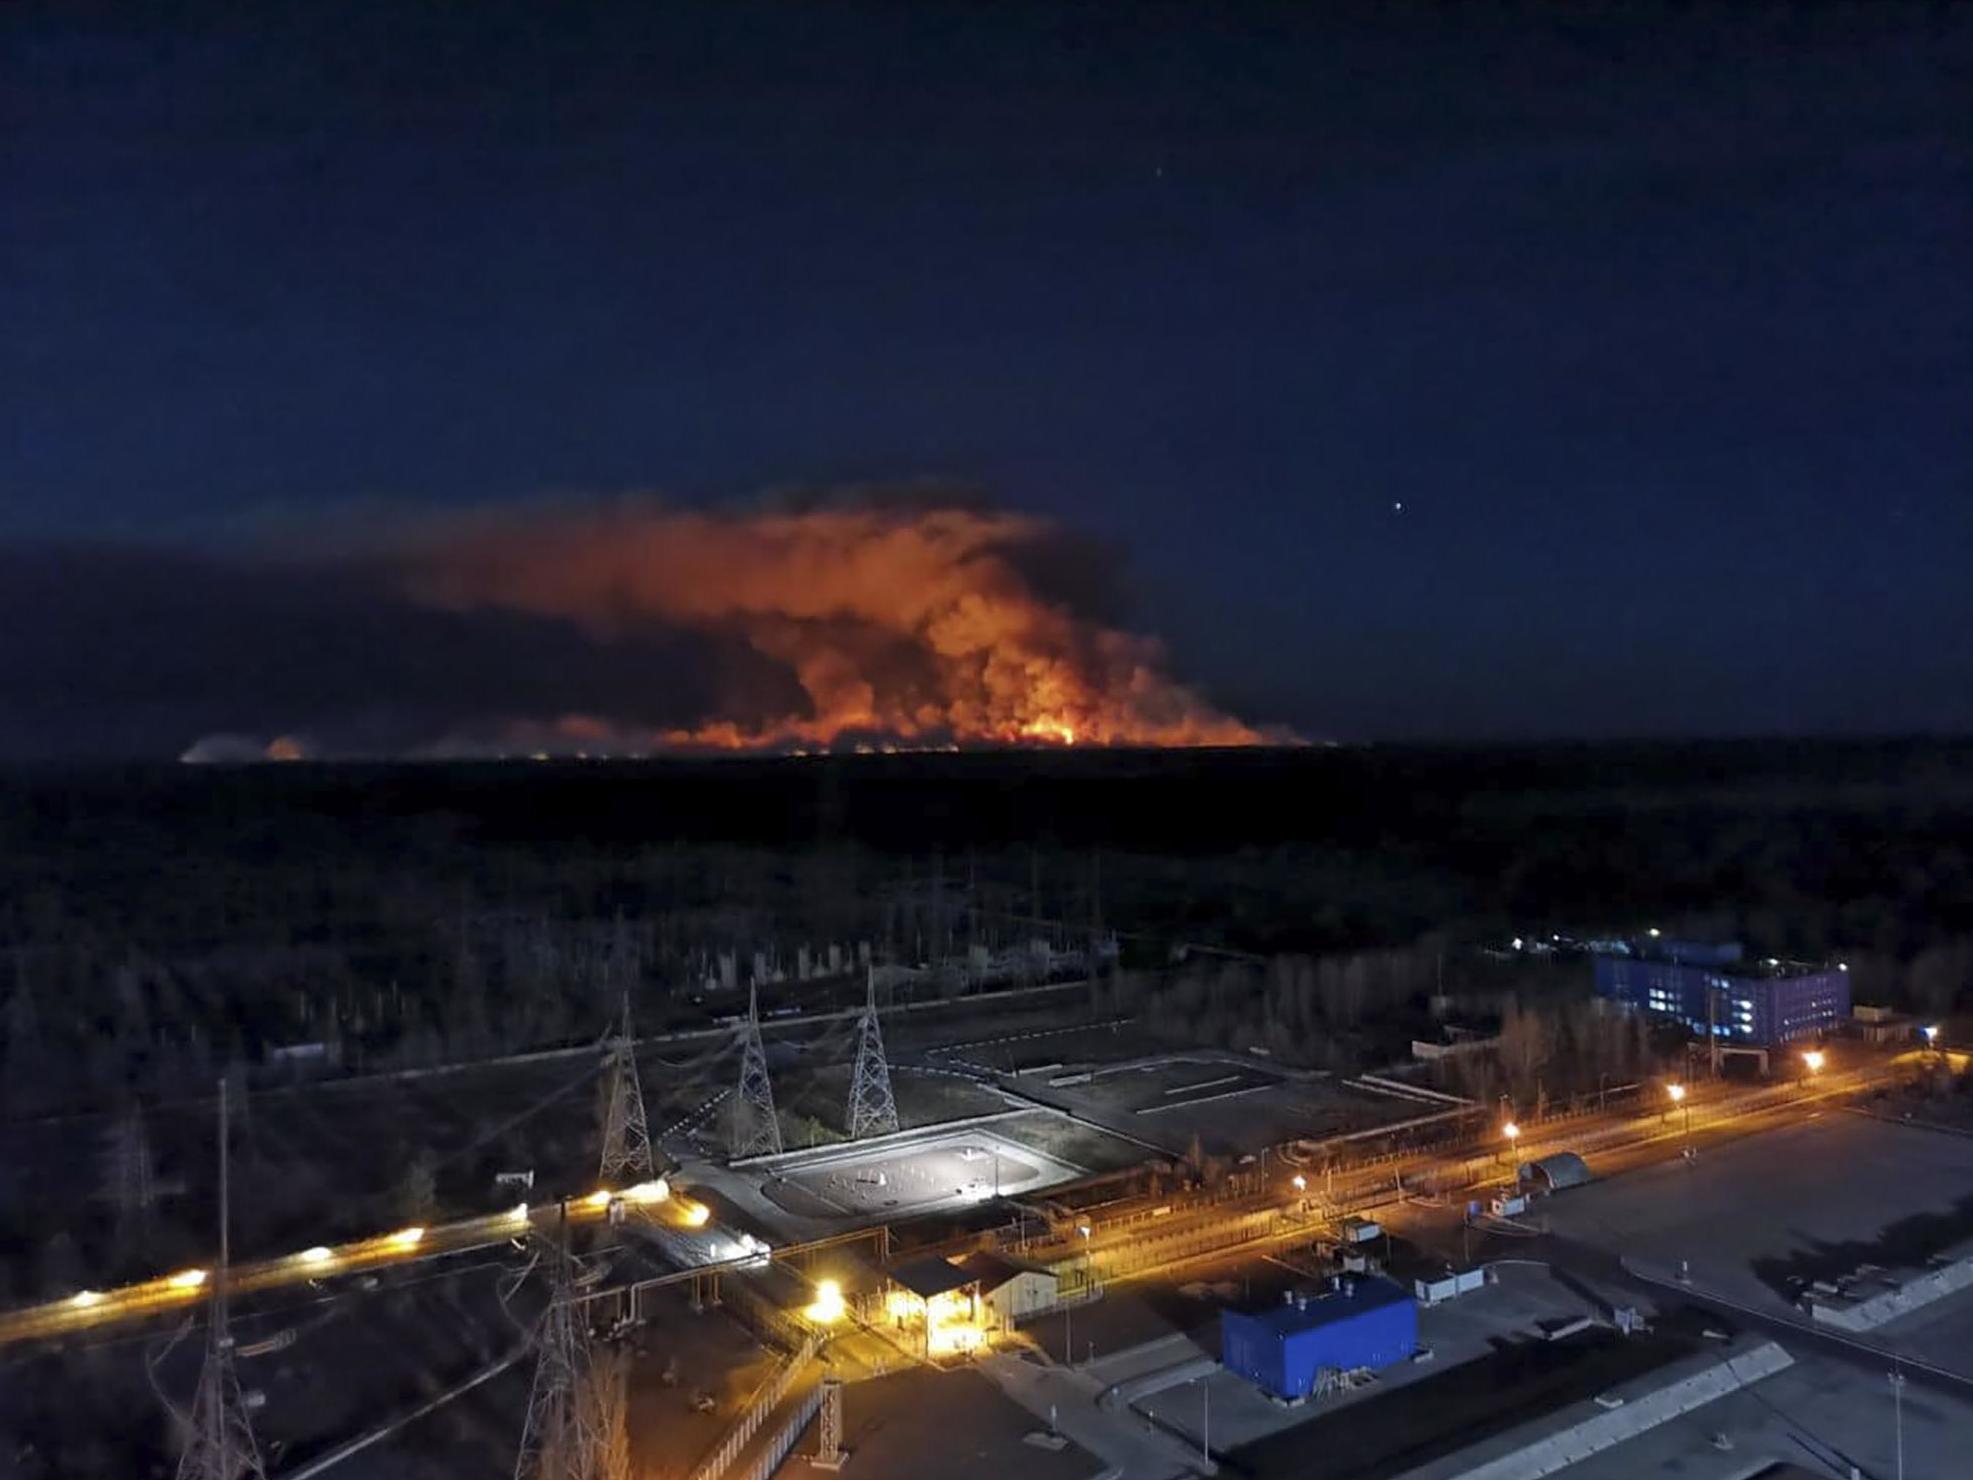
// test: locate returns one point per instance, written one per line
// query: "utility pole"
(1897, 1408)
(756, 1130)
(1712, 1027)
(221, 1445)
(626, 1154)
(872, 1107)
(1206, 1427)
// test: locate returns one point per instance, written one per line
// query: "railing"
(757, 1409)
(769, 1459)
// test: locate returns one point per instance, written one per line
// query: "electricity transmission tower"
(626, 1138)
(129, 1179)
(872, 1108)
(756, 1128)
(558, 1439)
(221, 1445)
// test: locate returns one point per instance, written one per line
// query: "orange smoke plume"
(917, 626)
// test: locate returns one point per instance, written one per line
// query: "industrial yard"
(1014, 1225)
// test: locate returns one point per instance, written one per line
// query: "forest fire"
(898, 627)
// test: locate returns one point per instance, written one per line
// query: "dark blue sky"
(1657, 322)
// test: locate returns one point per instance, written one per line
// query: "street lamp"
(1069, 1311)
(1897, 1408)
(1677, 1092)
(1813, 1058)
(1513, 1133)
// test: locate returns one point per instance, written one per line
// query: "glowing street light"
(1069, 1311)
(83, 1299)
(1511, 1132)
(320, 1254)
(407, 1238)
(827, 1308)
(1677, 1093)
(1813, 1058)
(187, 1279)
(1931, 1032)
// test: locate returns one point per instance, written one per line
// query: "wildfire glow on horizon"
(888, 628)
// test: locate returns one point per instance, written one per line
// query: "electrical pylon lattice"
(756, 1128)
(129, 1179)
(554, 1442)
(626, 1157)
(221, 1444)
(872, 1107)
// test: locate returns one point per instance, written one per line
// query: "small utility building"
(1285, 1349)
(1012, 1291)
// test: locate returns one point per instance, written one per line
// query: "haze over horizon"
(1260, 371)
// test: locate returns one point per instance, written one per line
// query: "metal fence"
(766, 1397)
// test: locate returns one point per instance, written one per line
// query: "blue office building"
(1759, 1003)
(1284, 1348)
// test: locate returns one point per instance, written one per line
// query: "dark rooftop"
(928, 1277)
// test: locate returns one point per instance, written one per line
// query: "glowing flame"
(919, 627)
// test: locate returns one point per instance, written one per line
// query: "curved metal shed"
(1556, 1171)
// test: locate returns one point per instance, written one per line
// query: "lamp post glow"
(1512, 1133)
(1069, 1311)
(1677, 1092)
(1814, 1059)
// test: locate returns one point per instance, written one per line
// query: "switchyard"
(921, 1174)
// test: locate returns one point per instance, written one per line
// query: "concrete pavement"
(1130, 1447)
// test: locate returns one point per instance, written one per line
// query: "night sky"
(1420, 371)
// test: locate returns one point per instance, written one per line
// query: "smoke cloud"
(626, 628)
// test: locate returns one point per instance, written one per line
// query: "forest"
(161, 925)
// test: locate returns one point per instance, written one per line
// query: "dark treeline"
(156, 925)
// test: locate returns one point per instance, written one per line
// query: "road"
(1264, 1216)
(88, 1310)
(1145, 1238)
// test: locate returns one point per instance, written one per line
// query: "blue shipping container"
(1367, 1323)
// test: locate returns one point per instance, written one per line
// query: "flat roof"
(928, 1277)
(1329, 1306)
(992, 1271)
(1744, 968)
